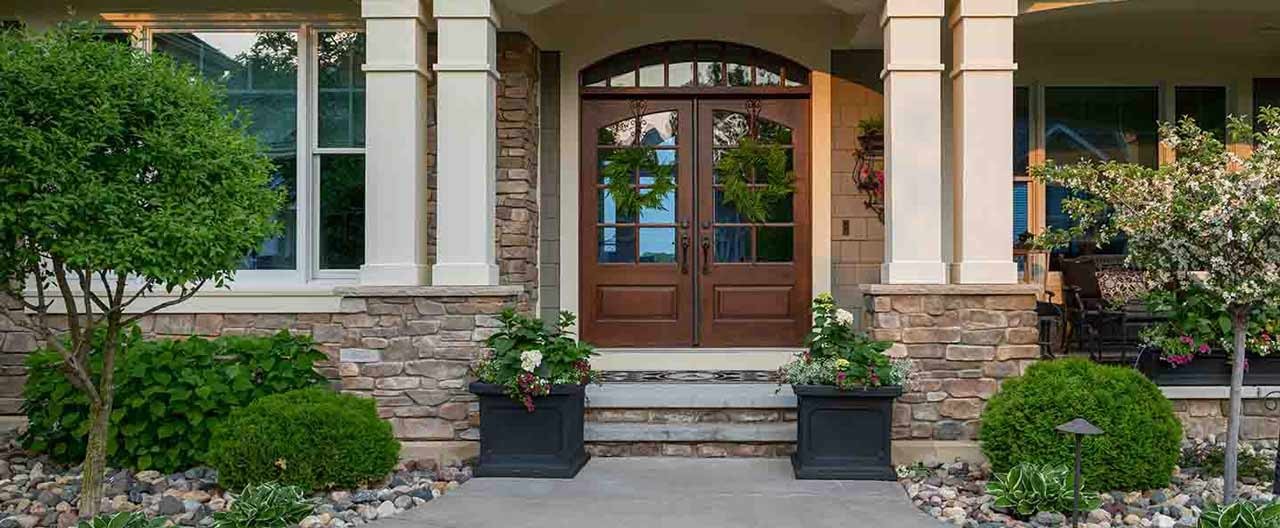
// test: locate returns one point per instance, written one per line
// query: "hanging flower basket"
(868, 171)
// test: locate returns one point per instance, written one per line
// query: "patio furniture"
(1091, 323)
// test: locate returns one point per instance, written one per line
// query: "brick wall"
(15, 344)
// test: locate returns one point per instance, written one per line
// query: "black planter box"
(844, 434)
(545, 443)
(1209, 369)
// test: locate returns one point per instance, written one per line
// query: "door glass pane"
(1021, 129)
(604, 158)
(1206, 104)
(773, 132)
(341, 211)
(733, 244)
(657, 244)
(608, 212)
(738, 65)
(660, 215)
(260, 74)
(727, 128)
(1266, 92)
(342, 92)
(666, 163)
(775, 244)
(780, 211)
(659, 129)
(726, 213)
(710, 69)
(680, 68)
(616, 245)
(652, 71)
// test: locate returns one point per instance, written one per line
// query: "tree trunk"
(1239, 321)
(95, 460)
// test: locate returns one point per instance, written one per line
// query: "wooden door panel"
(754, 279)
(636, 282)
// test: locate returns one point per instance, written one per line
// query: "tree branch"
(187, 293)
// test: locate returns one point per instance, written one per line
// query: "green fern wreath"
(761, 159)
(621, 167)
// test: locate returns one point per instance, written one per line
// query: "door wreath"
(621, 170)
(765, 164)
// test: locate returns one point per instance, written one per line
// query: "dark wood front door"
(693, 271)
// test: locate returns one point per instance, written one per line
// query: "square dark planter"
(844, 434)
(545, 443)
(1209, 369)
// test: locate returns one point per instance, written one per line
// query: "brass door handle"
(706, 254)
(684, 253)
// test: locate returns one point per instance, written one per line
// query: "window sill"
(311, 297)
(1216, 392)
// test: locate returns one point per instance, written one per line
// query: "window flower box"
(1210, 369)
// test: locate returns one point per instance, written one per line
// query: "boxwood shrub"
(312, 438)
(1142, 439)
(169, 395)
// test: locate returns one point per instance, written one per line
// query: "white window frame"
(306, 274)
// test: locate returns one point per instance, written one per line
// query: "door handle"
(684, 253)
(706, 255)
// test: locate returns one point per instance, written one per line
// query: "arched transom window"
(690, 65)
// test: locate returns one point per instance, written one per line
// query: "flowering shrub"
(1199, 323)
(840, 356)
(529, 357)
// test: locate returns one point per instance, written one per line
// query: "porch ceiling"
(1238, 27)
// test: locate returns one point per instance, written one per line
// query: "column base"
(984, 272)
(394, 275)
(913, 272)
(464, 274)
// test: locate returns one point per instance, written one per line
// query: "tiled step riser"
(692, 449)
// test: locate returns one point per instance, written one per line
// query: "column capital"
(984, 9)
(912, 9)
(393, 9)
(466, 9)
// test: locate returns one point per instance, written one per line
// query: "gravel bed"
(37, 493)
(956, 493)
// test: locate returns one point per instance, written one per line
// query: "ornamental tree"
(1209, 216)
(121, 173)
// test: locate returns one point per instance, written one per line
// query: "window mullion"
(307, 184)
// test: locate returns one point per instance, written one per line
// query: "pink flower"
(1187, 340)
(1204, 348)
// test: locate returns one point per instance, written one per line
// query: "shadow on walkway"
(669, 492)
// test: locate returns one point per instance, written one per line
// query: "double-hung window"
(301, 92)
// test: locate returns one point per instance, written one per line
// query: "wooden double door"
(692, 271)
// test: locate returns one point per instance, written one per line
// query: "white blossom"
(530, 360)
(844, 317)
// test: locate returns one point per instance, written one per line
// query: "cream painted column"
(913, 142)
(395, 174)
(982, 134)
(467, 142)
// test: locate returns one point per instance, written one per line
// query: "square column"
(466, 107)
(396, 75)
(913, 142)
(982, 106)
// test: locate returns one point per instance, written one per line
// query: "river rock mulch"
(956, 494)
(37, 493)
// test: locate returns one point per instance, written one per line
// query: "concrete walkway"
(669, 492)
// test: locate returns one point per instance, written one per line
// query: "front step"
(637, 418)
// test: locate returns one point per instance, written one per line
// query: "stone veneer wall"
(1205, 418)
(517, 182)
(962, 340)
(675, 418)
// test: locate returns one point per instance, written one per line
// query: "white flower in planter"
(530, 360)
(844, 317)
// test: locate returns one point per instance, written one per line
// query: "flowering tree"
(1209, 215)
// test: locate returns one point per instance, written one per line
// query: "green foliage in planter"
(1241, 514)
(1142, 439)
(169, 396)
(314, 438)
(529, 357)
(122, 520)
(267, 505)
(1028, 489)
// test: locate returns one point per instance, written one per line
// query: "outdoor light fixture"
(1080, 428)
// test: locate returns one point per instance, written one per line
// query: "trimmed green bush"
(169, 396)
(313, 438)
(1142, 440)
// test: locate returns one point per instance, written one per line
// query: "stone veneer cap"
(429, 291)
(949, 289)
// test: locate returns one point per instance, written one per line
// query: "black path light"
(1272, 402)
(1080, 428)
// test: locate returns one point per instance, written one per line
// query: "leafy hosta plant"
(266, 505)
(122, 520)
(529, 357)
(839, 355)
(1028, 489)
(1241, 514)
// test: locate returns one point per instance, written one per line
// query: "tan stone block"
(357, 383)
(208, 324)
(1001, 369)
(990, 337)
(1017, 352)
(422, 429)
(328, 333)
(884, 334)
(677, 450)
(934, 304)
(348, 369)
(167, 324)
(970, 353)
(897, 351)
(381, 370)
(454, 410)
(931, 335)
(1202, 408)
(753, 415)
(921, 430)
(901, 414)
(887, 320)
(908, 304)
(1011, 302)
(882, 304)
(926, 351)
(977, 319)
(919, 321)
(397, 383)
(712, 451)
(620, 415)
(1022, 336)
(962, 408)
(970, 388)
(924, 411)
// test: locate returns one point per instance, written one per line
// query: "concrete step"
(690, 396)
(694, 432)
(693, 358)
(690, 413)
